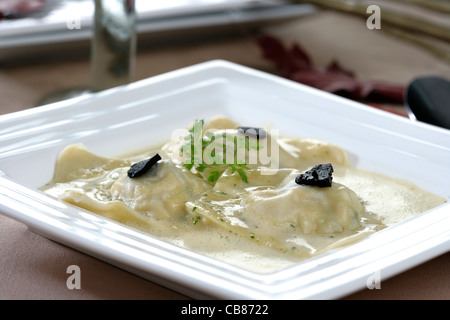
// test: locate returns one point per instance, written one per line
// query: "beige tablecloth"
(33, 267)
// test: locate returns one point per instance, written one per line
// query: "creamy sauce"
(262, 223)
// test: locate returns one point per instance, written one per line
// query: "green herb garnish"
(196, 219)
(214, 153)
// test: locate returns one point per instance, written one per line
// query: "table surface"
(33, 267)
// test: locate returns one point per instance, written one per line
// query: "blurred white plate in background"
(70, 21)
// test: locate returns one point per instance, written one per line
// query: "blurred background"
(45, 45)
(368, 51)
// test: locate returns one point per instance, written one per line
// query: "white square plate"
(141, 114)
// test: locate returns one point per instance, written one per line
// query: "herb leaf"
(217, 148)
(243, 175)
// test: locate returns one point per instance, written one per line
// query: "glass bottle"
(113, 47)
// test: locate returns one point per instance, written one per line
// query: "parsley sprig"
(212, 152)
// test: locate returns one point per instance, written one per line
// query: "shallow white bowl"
(144, 113)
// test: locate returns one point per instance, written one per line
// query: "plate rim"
(271, 281)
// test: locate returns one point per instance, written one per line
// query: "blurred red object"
(296, 65)
(15, 8)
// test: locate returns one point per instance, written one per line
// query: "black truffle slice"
(319, 176)
(257, 133)
(138, 169)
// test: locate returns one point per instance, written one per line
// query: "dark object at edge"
(428, 99)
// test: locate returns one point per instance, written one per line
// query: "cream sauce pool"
(257, 218)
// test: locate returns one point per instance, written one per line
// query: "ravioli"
(256, 208)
